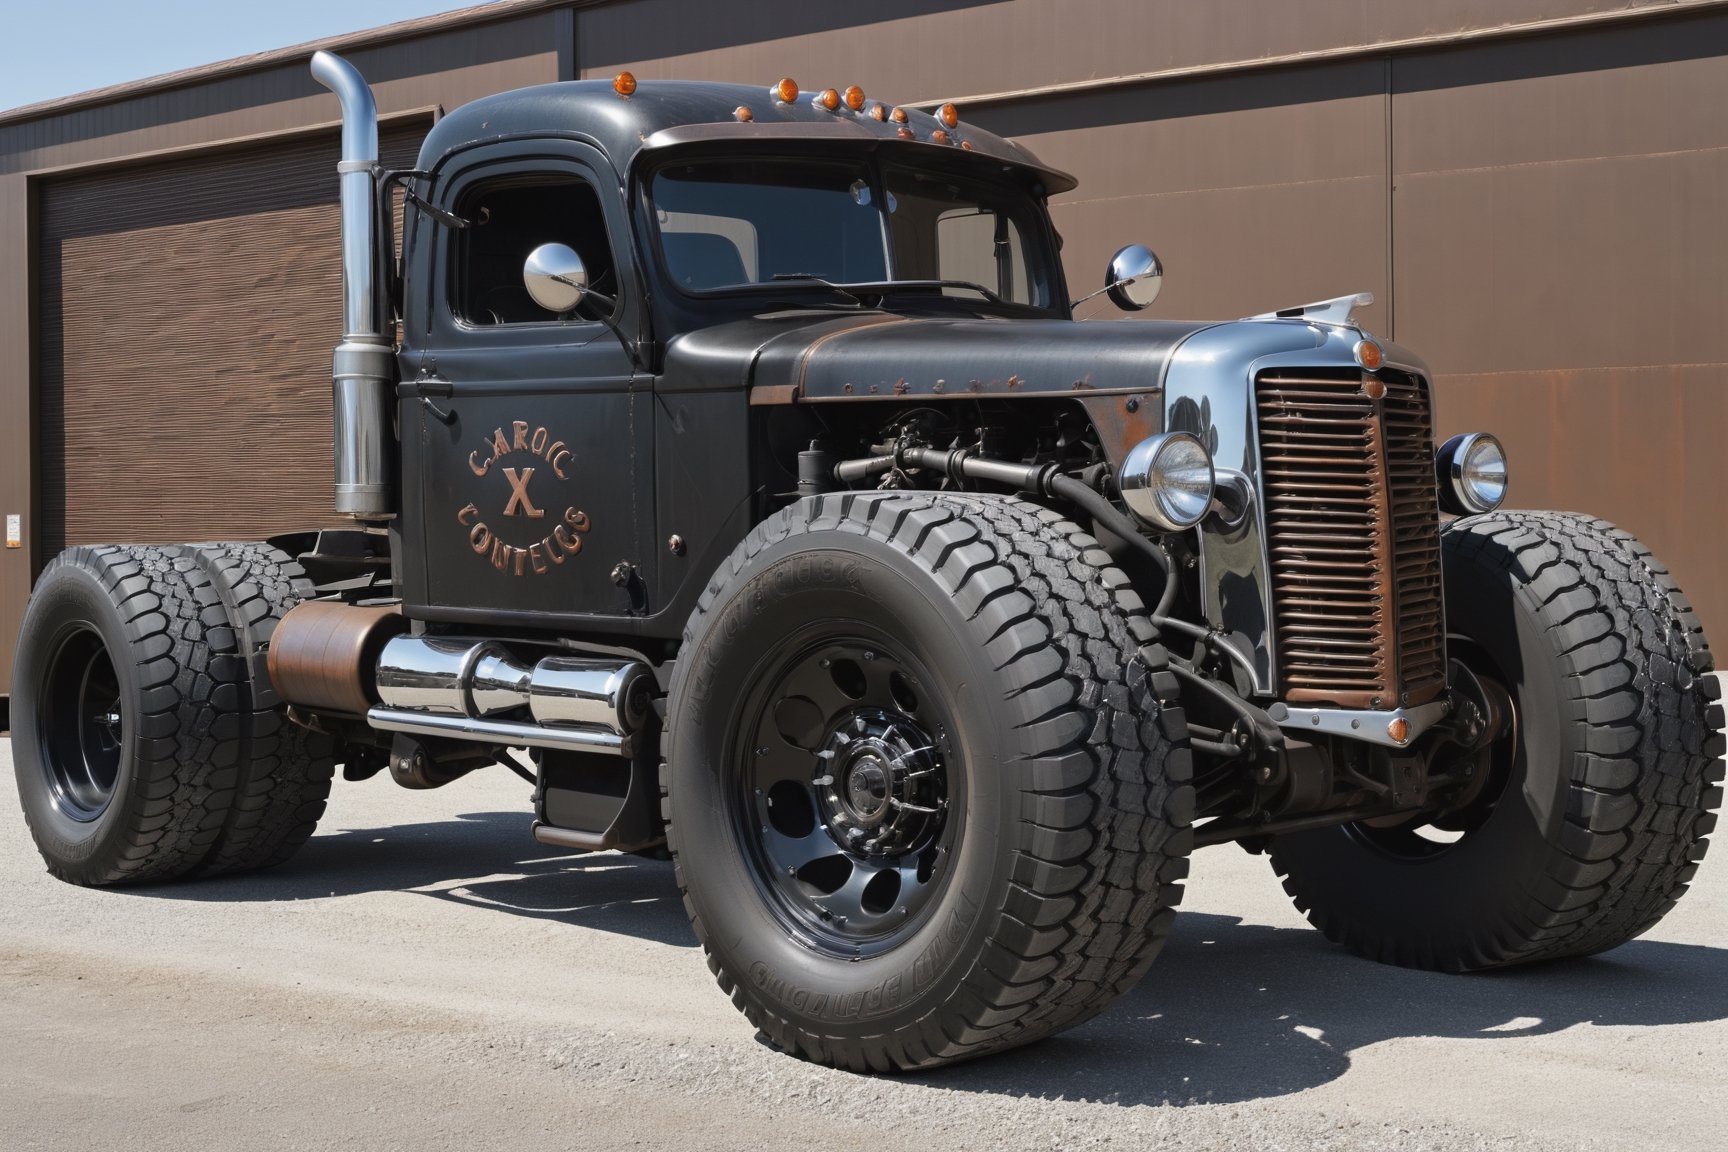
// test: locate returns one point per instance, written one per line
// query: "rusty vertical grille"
(1353, 535)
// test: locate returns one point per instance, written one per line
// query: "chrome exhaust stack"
(364, 371)
(467, 689)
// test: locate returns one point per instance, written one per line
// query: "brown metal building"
(1536, 191)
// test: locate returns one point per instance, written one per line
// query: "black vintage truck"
(729, 463)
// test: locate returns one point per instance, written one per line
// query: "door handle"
(430, 386)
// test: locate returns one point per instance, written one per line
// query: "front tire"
(1601, 796)
(928, 788)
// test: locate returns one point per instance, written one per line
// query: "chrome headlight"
(1471, 468)
(1167, 481)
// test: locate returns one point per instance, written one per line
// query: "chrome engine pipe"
(363, 373)
(479, 679)
(509, 733)
(591, 693)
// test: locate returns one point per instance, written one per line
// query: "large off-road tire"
(928, 786)
(284, 769)
(125, 736)
(1598, 801)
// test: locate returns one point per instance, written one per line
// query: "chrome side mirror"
(555, 277)
(1134, 278)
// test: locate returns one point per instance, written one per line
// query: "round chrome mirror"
(1134, 278)
(556, 277)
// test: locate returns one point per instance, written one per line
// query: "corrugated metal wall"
(1541, 216)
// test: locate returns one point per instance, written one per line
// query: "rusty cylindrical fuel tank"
(324, 654)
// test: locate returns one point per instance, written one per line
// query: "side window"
(511, 218)
(985, 248)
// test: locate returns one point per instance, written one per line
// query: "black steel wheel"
(1594, 806)
(927, 789)
(81, 724)
(844, 784)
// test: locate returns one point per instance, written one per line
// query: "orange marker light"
(786, 91)
(949, 115)
(939, 137)
(1399, 730)
(829, 99)
(879, 111)
(898, 115)
(1374, 388)
(624, 84)
(1368, 355)
(966, 144)
(855, 98)
(905, 132)
(743, 114)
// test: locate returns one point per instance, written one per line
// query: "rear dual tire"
(146, 741)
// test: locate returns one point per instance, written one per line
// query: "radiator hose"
(1048, 480)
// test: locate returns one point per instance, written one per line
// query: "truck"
(729, 462)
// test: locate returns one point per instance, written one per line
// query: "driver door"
(527, 435)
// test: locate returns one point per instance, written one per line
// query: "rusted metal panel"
(1257, 193)
(929, 49)
(1640, 446)
(1561, 239)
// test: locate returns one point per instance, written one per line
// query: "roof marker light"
(855, 98)
(949, 115)
(743, 114)
(879, 111)
(829, 99)
(938, 137)
(898, 115)
(624, 84)
(786, 91)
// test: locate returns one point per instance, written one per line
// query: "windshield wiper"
(883, 287)
(966, 284)
(812, 278)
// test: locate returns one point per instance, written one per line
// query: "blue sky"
(51, 48)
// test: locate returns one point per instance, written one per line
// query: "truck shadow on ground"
(1231, 1012)
(480, 859)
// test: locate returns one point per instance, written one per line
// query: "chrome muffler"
(465, 689)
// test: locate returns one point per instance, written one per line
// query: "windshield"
(729, 224)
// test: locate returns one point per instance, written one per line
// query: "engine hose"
(1046, 479)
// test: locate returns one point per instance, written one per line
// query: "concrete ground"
(424, 976)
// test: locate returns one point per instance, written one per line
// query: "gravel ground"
(423, 975)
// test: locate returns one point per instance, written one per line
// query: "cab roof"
(674, 113)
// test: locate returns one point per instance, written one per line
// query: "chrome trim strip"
(511, 734)
(1367, 726)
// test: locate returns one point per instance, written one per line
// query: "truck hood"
(791, 357)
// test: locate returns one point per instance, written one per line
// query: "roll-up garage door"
(186, 315)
